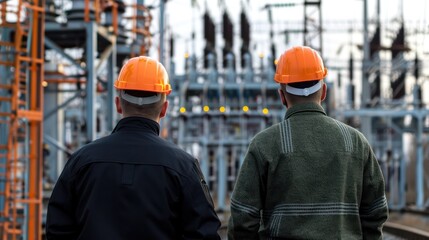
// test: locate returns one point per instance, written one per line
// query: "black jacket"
(131, 185)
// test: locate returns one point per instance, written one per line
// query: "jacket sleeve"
(60, 221)
(373, 208)
(247, 198)
(199, 219)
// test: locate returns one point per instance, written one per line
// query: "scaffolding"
(84, 53)
(21, 111)
(63, 55)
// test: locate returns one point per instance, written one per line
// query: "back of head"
(300, 71)
(142, 86)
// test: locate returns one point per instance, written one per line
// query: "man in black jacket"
(133, 184)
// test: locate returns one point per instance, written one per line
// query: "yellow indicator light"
(206, 108)
(222, 109)
(186, 55)
(44, 84)
(276, 61)
(265, 111)
(182, 109)
(245, 108)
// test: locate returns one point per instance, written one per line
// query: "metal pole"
(161, 31)
(320, 28)
(365, 63)
(51, 104)
(221, 167)
(91, 81)
(366, 121)
(205, 159)
(420, 191)
(402, 178)
(140, 14)
(111, 76)
(306, 43)
(5, 76)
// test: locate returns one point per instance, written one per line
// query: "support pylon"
(21, 114)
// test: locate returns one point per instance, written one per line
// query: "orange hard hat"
(300, 64)
(143, 74)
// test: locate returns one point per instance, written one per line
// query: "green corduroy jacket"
(308, 177)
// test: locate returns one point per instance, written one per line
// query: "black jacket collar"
(137, 124)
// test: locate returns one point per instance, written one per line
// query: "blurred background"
(59, 58)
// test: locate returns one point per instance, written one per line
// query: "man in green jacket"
(310, 176)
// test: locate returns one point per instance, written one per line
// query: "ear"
(164, 109)
(282, 96)
(118, 105)
(324, 90)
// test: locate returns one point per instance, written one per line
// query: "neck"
(141, 115)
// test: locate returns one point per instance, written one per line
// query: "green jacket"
(308, 177)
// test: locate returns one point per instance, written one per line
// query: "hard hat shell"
(300, 64)
(143, 74)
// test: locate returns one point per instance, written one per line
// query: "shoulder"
(267, 141)
(353, 132)
(153, 151)
(175, 150)
(268, 134)
(176, 158)
(349, 128)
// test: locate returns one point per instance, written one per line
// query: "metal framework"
(93, 51)
(216, 114)
(141, 38)
(381, 117)
(21, 110)
(313, 25)
(82, 56)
